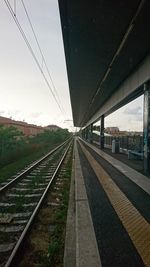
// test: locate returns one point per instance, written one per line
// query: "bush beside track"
(18, 151)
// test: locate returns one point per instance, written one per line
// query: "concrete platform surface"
(80, 246)
(138, 178)
(120, 212)
(108, 218)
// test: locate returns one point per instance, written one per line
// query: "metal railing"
(134, 142)
(126, 142)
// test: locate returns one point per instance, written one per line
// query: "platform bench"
(133, 154)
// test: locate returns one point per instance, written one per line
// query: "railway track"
(21, 199)
(9, 181)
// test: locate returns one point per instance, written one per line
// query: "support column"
(146, 130)
(91, 133)
(86, 133)
(102, 132)
(82, 134)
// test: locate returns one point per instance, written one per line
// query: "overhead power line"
(43, 58)
(31, 50)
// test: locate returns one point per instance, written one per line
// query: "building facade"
(25, 128)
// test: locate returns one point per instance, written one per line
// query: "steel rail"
(13, 255)
(36, 163)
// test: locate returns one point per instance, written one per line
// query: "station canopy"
(104, 41)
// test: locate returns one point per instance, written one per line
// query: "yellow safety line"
(136, 226)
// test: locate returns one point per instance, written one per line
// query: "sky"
(129, 117)
(24, 94)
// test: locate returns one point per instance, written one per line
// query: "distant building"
(25, 128)
(52, 127)
(112, 130)
(135, 133)
(98, 133)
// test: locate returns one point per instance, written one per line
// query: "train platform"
(134, 163)
(80, 246)
(108, 215)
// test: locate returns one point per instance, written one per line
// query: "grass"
(12, 168)
(45, 246)
(57, 238)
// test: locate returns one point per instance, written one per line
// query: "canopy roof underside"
(104, 42)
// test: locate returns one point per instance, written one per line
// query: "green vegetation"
(17, 151)
(11, 144)
(45, 245)
(57, 237)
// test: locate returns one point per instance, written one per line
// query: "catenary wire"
(43, 58)
(31, 51)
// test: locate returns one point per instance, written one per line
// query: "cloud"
(133, 111)
(138, 117)
(2, 112)
(35, 115)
